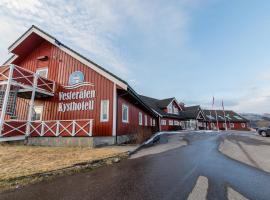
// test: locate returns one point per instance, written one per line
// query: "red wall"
(168, 127)
(60, 66)
(237, 126)
(132, 126)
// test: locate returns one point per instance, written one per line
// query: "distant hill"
(257, 120)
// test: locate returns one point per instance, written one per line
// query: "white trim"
(71, 53)
(125, 120)
(140, 119)
(114, 109)
(145, 120)
(107, 110)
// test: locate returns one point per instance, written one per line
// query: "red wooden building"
(63, 98)
(215, 119)
(168, 111)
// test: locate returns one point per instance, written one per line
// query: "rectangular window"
(170, 108)
(43, 72)
(37, 113)
(104, 111)
(124, 113)
(163, 122)
(151, 123)
(154, 122)
(145, 120)
(171, 122)
(140, 119)
(176, 123)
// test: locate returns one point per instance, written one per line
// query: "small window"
(140, 119)
(124, 113)
(171, 122)
(145, 120)
(243, 125)
(176, 123)
(163, 122)
(43, 72)
(37, 113)
(151, 123)
(232, 125)
(154, 122)
(104, 111)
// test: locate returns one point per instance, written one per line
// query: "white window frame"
(41, 114)
(154, 122)
(170, 122)
(145, 120)
(140, 119)
(42, 69)
(163, 122)
(107, 110)
(125, 120)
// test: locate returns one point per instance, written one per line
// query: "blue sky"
(190, 49)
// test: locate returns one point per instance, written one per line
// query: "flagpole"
(215, 112)
(224, 116)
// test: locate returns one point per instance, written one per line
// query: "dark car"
(265, 132)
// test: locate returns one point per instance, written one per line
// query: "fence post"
(31, 105)
(73, 128)
(5, 101)
(91, 128)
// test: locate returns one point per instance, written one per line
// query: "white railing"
(65, 128)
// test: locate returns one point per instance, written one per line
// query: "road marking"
(234, 195)
(199, 192)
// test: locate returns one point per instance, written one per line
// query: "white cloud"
(92, 27)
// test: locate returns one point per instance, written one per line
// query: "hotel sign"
(76, 100)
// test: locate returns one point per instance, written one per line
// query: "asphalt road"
(168, 175)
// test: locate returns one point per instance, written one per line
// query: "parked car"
(265, 132)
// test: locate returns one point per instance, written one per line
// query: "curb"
(154, 139)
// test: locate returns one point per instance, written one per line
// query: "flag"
(224, 114)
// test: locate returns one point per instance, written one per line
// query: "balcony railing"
(25, 79)
(52, 128)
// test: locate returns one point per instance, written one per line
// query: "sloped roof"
(157, 105)
(231, 116)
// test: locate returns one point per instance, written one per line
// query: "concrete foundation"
(91, 142)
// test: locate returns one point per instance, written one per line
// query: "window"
(154, 122)
(176, 123)
(171, 122)
(145, 120)
(140, 118)
(170, 108)
(175, 110)
(224, 125)
(124, 113)
(163, 122)
(151, 122)
(104, 111)
(37, 113)
(43, 72)
(232, 125)
(243, 125)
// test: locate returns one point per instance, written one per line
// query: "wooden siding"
(132, 126)
(168, 127)
(60, 65)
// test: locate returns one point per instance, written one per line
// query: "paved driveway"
(172, 174)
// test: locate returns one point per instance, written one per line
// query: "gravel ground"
(253, 152)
